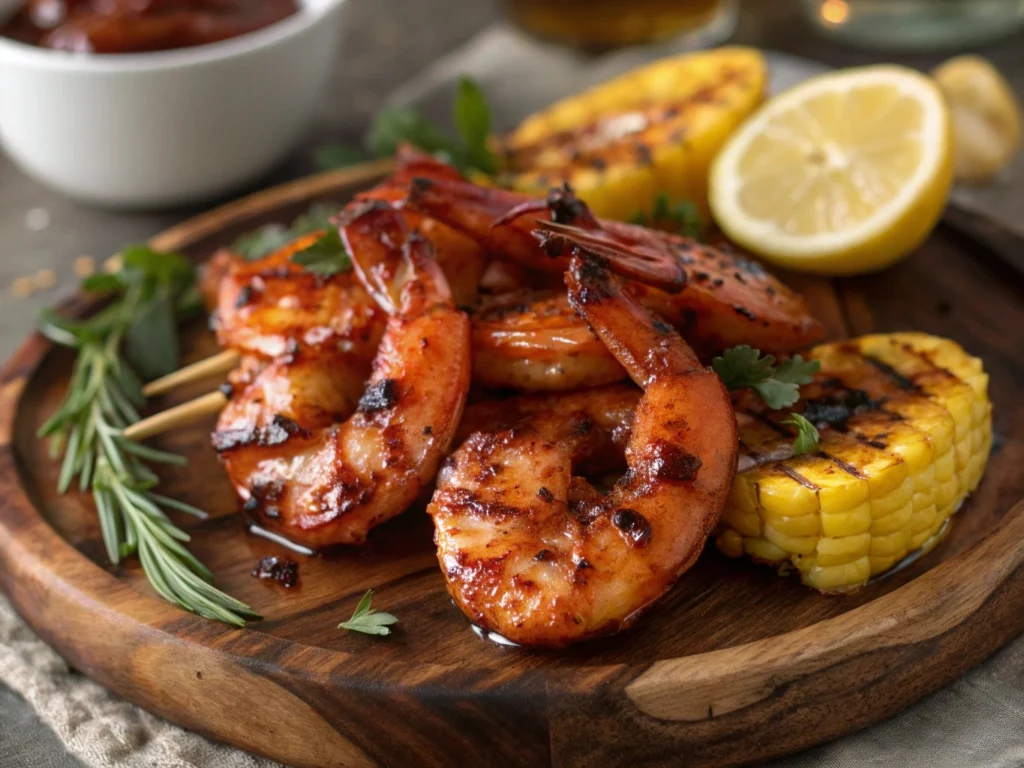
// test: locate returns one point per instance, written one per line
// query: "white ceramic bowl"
(165, 128)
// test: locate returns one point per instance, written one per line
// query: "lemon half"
(845, 173)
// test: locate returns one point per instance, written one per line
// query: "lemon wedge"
(986, 117)
(845, 173)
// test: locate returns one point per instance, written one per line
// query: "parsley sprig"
(367, 620)
(268, 238)
(327, 256)
(778, 385)
(807, 435)
(150, 293)
(393, 126)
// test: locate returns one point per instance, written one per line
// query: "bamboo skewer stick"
(186, 413)
(222, 362)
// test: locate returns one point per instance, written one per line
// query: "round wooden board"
(735, 666)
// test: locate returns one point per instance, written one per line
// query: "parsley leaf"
(681, 217)
(394, 125)
(268, 238)
(367, 620)
(778, 386)
(327, 256)
(471, 116)
(807, 434)
(331, 156)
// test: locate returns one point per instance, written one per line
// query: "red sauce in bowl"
(137, 26)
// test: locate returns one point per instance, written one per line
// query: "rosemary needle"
(104, 396)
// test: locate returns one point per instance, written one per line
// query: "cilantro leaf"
(472, 117)
(327, 256)
(807, 434)
(394, 125)
(268, 238)
(778, 386)
(262, 242)
(331, 156)
(367, 620)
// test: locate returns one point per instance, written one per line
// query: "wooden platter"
(736, 666)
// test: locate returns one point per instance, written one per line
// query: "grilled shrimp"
(532, 340)
(273, 306)
(318, 479)
(529, 548)
(728, 299)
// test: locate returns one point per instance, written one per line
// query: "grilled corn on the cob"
(649, 132)
(906, 429)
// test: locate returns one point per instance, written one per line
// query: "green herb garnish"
(150, 293)
(367, 620)
(807, 435)
(778, 385)
(327, 256)
(393, 126)
(270, 237)
(332, 156)
(681, 217)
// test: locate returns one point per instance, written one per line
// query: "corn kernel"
(833, 577)
(729, 543)
(851, 523)
(801, 545)
(836, 551)
(764, 550)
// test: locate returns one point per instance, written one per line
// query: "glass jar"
(606, 24)
(916, 25)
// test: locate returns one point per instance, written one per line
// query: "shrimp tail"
(655, 268)
(652, 345)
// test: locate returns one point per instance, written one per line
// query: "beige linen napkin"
(100, 729)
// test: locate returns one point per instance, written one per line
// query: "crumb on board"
(23, 287)
(85, 266)
(41, 280)
(45, 278)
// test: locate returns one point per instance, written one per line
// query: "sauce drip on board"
(138, 26)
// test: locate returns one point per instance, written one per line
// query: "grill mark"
(847, 468)
(899, 379)
(929, 362)
(786, 470)
(769, 423)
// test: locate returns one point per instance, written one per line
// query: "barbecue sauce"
(138, 26)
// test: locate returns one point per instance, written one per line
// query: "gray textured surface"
(389, 42)
(24, 741)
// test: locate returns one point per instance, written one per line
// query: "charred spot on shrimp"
(244, 296)
(279, 431)
(635, 528)
(545, 495)
(565, 207)
(379, 397)
(744, 312)
(670, 462)
(661, 326)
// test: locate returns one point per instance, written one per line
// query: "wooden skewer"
(186, 413)
(222, 362)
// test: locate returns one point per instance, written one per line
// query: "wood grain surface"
(735, 666)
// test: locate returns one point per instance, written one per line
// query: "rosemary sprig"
(151, 291)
